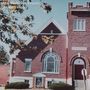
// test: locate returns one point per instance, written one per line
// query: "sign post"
(84, 74)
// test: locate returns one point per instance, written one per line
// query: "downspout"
(66, 57)
(66, 64)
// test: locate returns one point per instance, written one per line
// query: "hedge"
(17, 85)
(61, 86)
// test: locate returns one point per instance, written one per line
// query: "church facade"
(53, 56)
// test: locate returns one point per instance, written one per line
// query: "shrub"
(17, 85)
(61, 86)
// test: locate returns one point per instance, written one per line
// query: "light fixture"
(50, 50)
(79, 55)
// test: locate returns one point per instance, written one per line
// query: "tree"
(4, 58)
(9, 26)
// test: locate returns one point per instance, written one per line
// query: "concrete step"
(80, 85)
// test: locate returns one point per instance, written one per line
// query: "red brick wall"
(59, 46)
(78, 39)
(4, 74)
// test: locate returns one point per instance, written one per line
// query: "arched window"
(51, 62)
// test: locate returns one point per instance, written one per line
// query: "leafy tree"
(9, 26)
(4, 58)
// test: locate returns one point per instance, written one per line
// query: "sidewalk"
(80, 85)
(2, 88)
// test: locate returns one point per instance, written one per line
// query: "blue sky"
(59, 13)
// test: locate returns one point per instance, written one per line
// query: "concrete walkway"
(77, 88)
(81, 85)
(2, 88)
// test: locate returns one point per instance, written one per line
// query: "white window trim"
(45, 66)
(28, 59)
(80, 30)
(79, 48)
(78, 61)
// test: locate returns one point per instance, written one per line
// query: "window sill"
(77, 30)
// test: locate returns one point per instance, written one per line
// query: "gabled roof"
(52, 21)
(59, 30)
(51, 28)
(48, 34)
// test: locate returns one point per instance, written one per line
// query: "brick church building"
(53, 56)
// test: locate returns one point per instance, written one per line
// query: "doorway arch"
(77, 66)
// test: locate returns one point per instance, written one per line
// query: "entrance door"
(77, 77)
(39, 82)
(78, 65)
(78, 69)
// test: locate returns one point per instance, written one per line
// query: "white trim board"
(80, 48)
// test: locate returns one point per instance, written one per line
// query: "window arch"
(51, 62)
(79, 61)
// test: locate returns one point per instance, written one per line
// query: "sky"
(58, 13)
